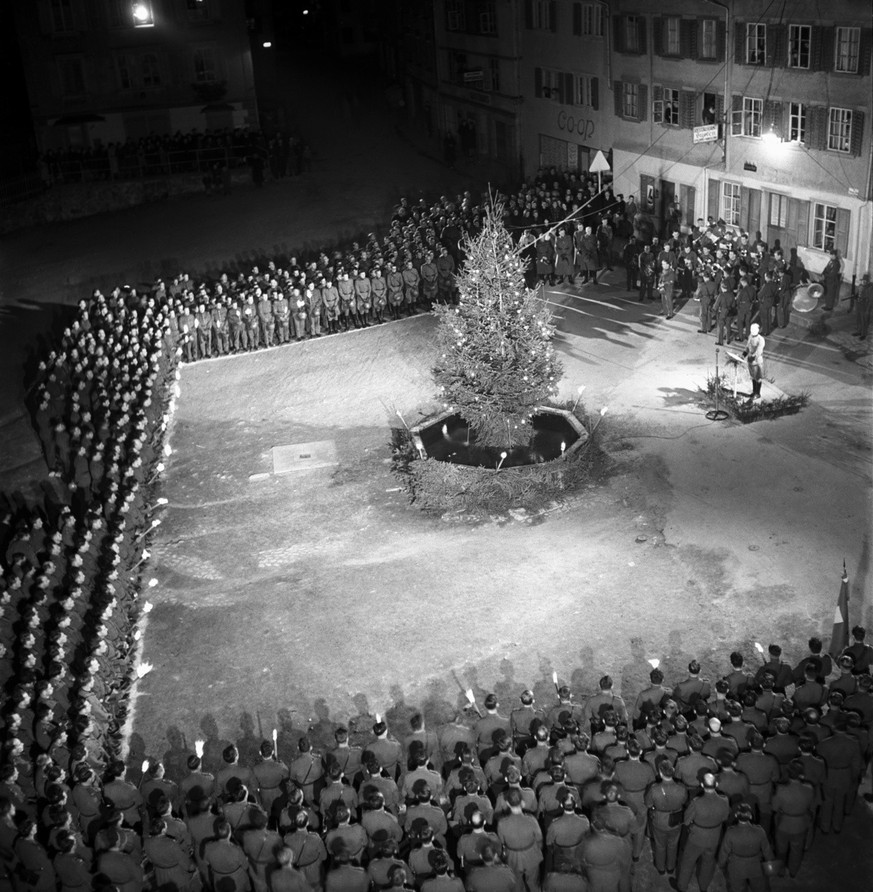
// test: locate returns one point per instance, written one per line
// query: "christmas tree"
(496, 362)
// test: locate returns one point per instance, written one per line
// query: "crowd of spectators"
(196, 151)
(731, 773)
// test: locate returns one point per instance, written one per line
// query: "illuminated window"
(799, 41)
(141, 10)
(839, 129)
(746, 121)
(779, 210)
(848, 49)
(796, 122)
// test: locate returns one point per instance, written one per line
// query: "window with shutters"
(150, 70)
(541, 19)
(586, 91)
(487, 18)
(708, 42)
(204, 65)
(632, 34)
(630, 101)
(592, 20)
(730, 203)
(456, 15)
(779, 210)
(494, 68)
(839, 129)
(122, 68)
(796, 122)
(746, 120)
(72, 74)
(824, 227)
(62, 16)
(848, 46)
(672, 41)
(799, 42)
(756, 43)
(665, 105)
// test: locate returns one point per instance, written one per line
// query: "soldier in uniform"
(743, 851)
(767, 297)
(379, 294)
(219, 327)
(363, 293)
(745, 299)
(723, 306)
(411, 279)
(794, 807)
(299, 313)
(842, 756)
(665, 801)
(331, 302)
(646, 265)
(250, 322)
(346, 290)
(705, 818)
(706, 293)
(522, 839)
(445, 276)
(265, 318)
(666, 286)
(282, 314)
(236, 329)
(429, 280)
(524, 721)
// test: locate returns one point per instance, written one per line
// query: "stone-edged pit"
(442, 472)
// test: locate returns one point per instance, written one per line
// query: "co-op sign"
(583, 127)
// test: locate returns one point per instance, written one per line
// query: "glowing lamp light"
(471, 699)
(759, 647)
(198, 748)
(771, 137)
(141, 12)
(654, 663)
(267, 44)
(555, 677)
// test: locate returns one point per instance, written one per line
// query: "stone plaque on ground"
(303, 456)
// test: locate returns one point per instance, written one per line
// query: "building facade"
(760, 117)
(565, 82)
(478, 58)
(101, 71)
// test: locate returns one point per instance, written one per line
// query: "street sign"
(477, 74)
(599, 164)
(705, 133)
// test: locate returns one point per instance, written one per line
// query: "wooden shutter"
(744, 207)
(822, 48)
(798, 222)
(657, 104)
(553, 15)
(720, 41)
(528, 13)
(538, 83)
(864, 52)
(577, 19)
(777, 46)
(595, 93)
(618, 33)
(857, 133)
(687, 109)
(567, 89)
(712, 199)
(841, 237)
(617, 93)
(658, 35)
(816, 127)
(644, 102)
(641, 32)
(688, 39)
(740, 43)
(754, 216)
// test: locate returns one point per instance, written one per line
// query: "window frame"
(552, 84)
(672, 35)
(857, 45)
(156, 79)
(79, 62)
(630, 101)
(757, 38)
(631, 34)
(541, 15)
(456, 15)
(581, 93)
(62, 16)
(730, 212)
(592, 20)
(780, 203)
(743, 119)
(705, 25)
(824, 228)
(797, 121)
(672, 103)
(214, 57)
(796, 42)
(844, 136)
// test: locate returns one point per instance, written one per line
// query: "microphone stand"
(716, 414)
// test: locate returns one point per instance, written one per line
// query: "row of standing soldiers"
(262, 311)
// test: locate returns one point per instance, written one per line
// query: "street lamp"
(142, 14)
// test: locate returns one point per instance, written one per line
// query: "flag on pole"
(840, 635)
